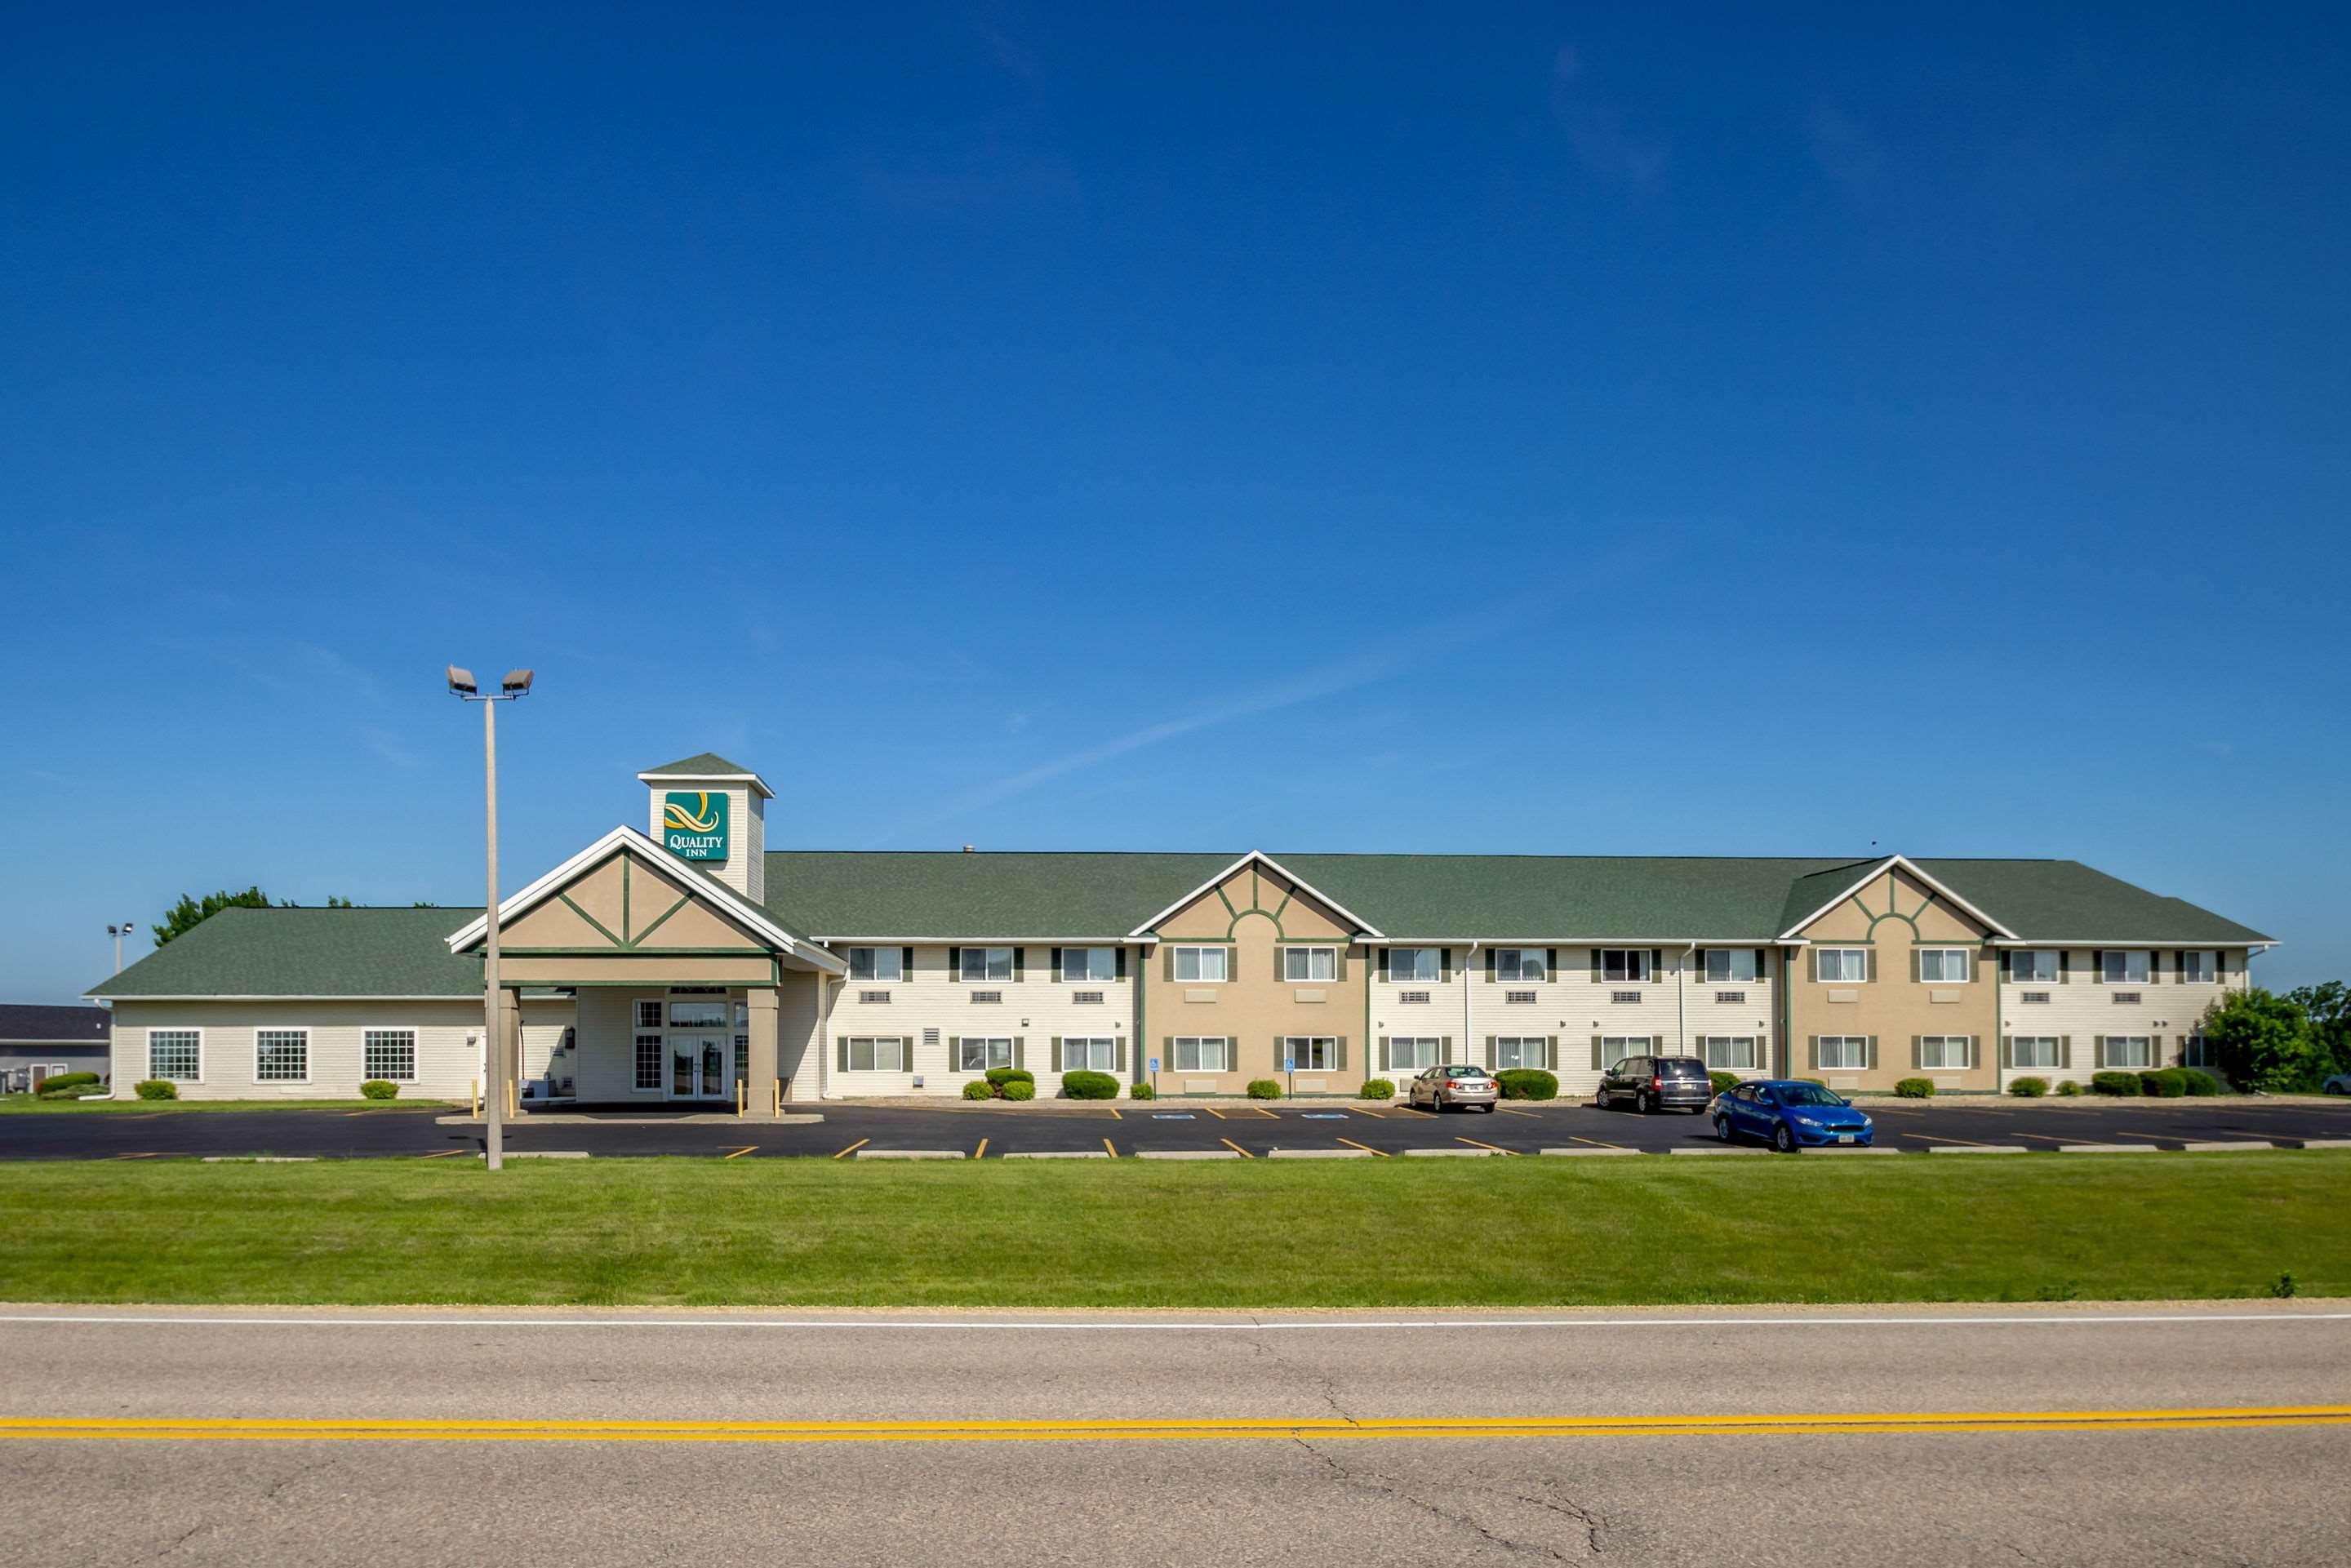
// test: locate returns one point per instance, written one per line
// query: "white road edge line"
(2084, 1319)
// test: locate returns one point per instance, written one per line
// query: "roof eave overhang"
(753, 779)
(1796, 933)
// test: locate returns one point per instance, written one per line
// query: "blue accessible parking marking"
(1323, 1116)
(1171, 1116)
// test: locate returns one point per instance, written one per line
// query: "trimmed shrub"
(69, 1085)
(1084, 1086)
(2113, 1082)
(979, 1088)
(1019, 1089)
(1264, 1089)
(158, 1089)
(2069, 1088)
(1526, 1083)
(2028, 1088)
(2171, 1082)
(2200, 1083)
(1376, 1089)
(380, 1089)
(1915, 1089)
(1000, 1076)
(1142, 1092)
(1724, 1082)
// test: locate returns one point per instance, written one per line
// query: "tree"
(2329, 1007)
(189, 913)
(2264, 1040)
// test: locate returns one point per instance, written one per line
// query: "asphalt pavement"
(1126, 1129)
(2063, 1434)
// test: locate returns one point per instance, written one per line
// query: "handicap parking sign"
(1155, 1064)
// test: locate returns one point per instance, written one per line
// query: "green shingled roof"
(835, 893)
(704, 765)
(308, 953)
(2066, 901)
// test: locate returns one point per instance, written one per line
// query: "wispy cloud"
(387, 745)
(1596, 129)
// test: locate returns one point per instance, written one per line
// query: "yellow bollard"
(742, 1099)
(511, 1112)
(778, 1086)
(477, 1093)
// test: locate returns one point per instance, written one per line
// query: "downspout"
(1681, 998)
(1467, 1038)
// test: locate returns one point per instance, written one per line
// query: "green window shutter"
(1019, 1050)
(1387, 1057)
(1168, 959)
(1550, 1053)
(2155, 1049)
(1551, 963)
(2179, 964)
(1338, 1054)
(954, 1054)
(1598, 1046)
(841, 1049)
(1339, 964)
(1490, 1057)
(1444, 966)
(1918, 964)
(1489, 965)
(1918, 1053)
(2065, 965)
(1057, 1054)
(2099, 1051)
(1019, 962)
(2003, 962)
(2008, 1050)
(1657, 966)
(1595, 965)
(1869, 1053)
(1763, 963)
(1384, 965)
(906, 962)
(954, 963)
(2066, 1051)
(1813, 1052)
(1869, 969)
(1057, 965)
(1233, 963)
(1444, 1047)
(2097, 965)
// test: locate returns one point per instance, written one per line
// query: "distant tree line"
(2283, 1044)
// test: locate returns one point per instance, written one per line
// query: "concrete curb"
(1979, 1149)
(1187, 1154)
(1058, 1155)
(260, 1159)
(1579, 1152)
(2222, 1148)
(2108, 1149)
(1872, 1150)
(911, 1155)
(1320, 1155)
(545, 1155)
(1451, 1154)
(2327, 1143)
(1718, 1149)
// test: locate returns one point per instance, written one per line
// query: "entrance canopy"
(626, 912)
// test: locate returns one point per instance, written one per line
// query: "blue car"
(1790, 1114)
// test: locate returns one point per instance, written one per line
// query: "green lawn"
(27, 1105)
(1394, 1233)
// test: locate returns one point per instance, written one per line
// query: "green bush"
(2199, 1081)
(2171, 1082)
(2069, 1088)
(2028, 1088)
(1084, 1086)
(2113, 1082)
(1142, 1092)
(1724, 1082)
(66, 1085)
(1000, 1076)
(979, 1088)
(1915, 1089)
(380, 1089)
(1526, 1083)
(158, 1089)
(1264, 1089)
(1376, 1089)
(1019, 1089)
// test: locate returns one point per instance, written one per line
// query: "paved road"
(1131, 1128)
(1285, 1447)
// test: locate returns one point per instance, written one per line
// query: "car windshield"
(1687, 1067)
(1465, 1072)
(1806, 1095)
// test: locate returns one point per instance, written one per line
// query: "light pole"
(515, 684)
(118, 931)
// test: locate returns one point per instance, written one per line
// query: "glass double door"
(701, 1067)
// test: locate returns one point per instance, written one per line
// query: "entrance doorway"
(701, 1067)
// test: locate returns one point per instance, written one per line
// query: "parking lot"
(1160, 1129)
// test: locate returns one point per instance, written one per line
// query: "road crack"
(1383, 1486)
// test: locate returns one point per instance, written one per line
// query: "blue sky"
(1542, 429)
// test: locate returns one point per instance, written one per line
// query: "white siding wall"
(1033, 1011)
(446, 1063)
(2085, 1008)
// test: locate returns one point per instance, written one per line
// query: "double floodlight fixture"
(462, 685)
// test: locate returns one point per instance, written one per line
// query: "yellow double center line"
(249, 1429)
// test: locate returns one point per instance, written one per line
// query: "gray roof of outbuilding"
(34, 1023)
(287, 952)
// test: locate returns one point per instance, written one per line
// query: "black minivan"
(1657, 1083)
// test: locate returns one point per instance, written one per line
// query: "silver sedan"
(1453, 1085)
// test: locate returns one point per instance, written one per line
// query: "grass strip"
(27, 1105)
(1253, 1233)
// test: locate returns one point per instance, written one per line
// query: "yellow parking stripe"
(1110, 1148)
(981, 1152)
(1263, 1111)
(1933, 1138)
(738, 1154)
(1596, 1143)
(854, 1147)
(443, 1154)
(1374, 1115)
(1114, 1115)
(70, 1429)
(1353, 1145)
(1237, 1148)
(1212, 1111)
(1512, 1110)
(1476, 1144)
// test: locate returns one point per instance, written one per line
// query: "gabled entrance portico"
(686, 992)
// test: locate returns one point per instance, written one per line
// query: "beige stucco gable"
(1256, 890)
(1895, 907)
(624, 903)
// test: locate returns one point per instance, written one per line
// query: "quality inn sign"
(694, 824)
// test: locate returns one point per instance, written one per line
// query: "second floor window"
(1840, 965)
(1729, 965)
(2033, 966)
(1310, 963)
(1200, 965)
(987, 964)
(2124, 968)
(1624, 964)
(1089, 965)
(1944, 966)
(1412, 966)
(2200, 967)
(1519, 966)
(884, 964)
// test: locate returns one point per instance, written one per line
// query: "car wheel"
(1722, 1128)
(1644, 1104)
(1490, 1110)
(1784, 1140)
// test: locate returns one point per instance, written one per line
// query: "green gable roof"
(704, 765)
(308, 953)
(837, 894)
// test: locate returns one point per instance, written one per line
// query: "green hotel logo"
(694, 824)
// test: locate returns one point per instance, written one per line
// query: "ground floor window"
(698, 1014)
(977, 1055)
(1311, 1052)
(1087, 1055)
(174, 1053)
(1729, 1052)
(2033, 1050)
(2193, 1053)
(1200, 1053)
(1512, 1051)
(648, 1055)
(2129, 1050)
(879, 1054)
(1615, 1047)
(281, 1055)
(1945, 1051)
(1845, 1052)
(1409, 1053)
(390, 1053)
